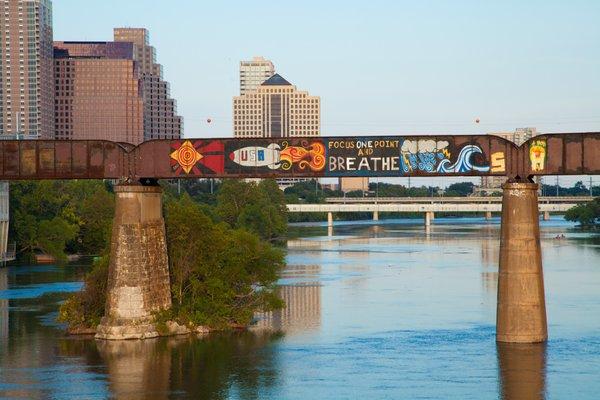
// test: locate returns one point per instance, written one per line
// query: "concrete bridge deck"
(430, 205)
(419, 207)
(439, 199)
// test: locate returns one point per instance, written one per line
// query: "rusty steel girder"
(335, 156)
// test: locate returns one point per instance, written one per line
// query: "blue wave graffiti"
(463, 162)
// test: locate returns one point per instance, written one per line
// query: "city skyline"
(432, 68)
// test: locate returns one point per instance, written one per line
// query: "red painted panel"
(574, 155)
(591, 153)
(46, 159)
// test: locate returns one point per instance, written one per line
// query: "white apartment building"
(254, 72)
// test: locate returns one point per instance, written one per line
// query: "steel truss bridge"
(139, 284)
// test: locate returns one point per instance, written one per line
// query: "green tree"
(42, 217)
(258, 208)
(61, 216)
(220, 276)
(587, 214)
(95, 213)
(53, 235)
(460, 189)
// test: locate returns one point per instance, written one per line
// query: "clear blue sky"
(380, 67)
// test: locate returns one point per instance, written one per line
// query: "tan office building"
(352, 184)
(276, 109)
(160, 110)
(26, 85)
(253, 73)
(98, 93)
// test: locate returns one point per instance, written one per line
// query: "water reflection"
(411, 314)
(137, 369)
(522, 371)
(302, 312)
(3, 307)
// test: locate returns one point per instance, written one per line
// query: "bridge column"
(428, 217)
(546, 215)
(375, 215)
(329, 219)
(138, 274)
(488, 215)
(521, 307)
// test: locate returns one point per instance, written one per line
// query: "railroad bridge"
(138, 273)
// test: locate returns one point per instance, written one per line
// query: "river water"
(373, 312)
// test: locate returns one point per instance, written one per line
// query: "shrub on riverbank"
(84, 309)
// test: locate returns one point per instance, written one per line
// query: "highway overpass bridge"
(430, 205)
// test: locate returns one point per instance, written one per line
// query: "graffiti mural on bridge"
(284, 156)
(438, 156)
(366, 156)
(385, 156)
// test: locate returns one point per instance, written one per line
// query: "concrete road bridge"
(430, 205)
(138, 283)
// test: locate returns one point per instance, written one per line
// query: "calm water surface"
(374, 312)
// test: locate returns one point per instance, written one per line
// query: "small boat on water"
(43, 258)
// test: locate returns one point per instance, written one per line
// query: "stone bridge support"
(138, 276)
(375, 215)
(521, 307)
(329, 219)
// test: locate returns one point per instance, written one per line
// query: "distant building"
(276, 109)
(352, 184)
(519, 136)
(26, 78)
(98, 92)
(160, 110)
(254, 72)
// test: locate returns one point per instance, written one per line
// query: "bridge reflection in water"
(3, 307)
(522, 369)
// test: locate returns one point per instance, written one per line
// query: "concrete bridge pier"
(488, 215)
(375, 215)
(546, 215)
(329, 219)
(138, 275)
(521, 307)
(429, 216)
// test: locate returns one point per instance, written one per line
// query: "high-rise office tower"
(160, 110)
(26, 68)
(98, 92)
(253, 73)
(276, 109)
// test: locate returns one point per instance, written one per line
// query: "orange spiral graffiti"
(312, 156)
